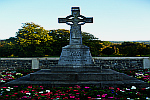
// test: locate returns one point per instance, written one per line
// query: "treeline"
(33, 40)
(133, 49)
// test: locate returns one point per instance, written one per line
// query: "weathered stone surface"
(120, 63)
(46, 64)
(75, 21)
(76, 69)
(75, 54)
(7, 64)
(75, 77)
(106, 77)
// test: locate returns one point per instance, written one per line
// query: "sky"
(113, 20)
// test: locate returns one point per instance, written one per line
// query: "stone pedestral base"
(75, 55)
(100, 78)
(104, 75)
(65, 69)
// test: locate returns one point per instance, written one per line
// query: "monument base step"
(126, 82)
(76, 68)
(101, 75)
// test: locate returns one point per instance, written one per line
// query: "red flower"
(72, 96)
(65, 98)
(111, 88)
(77, 98)
(42, 94)
(26, 91)
(142, 88)
(21, 91)
(118, 89)
(58, 97)
(4, 87)
(30, 86)
(49, 93)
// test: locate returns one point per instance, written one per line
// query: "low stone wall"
(13, 64)
(27, 63)
(119, 63)
(47, 63)
(104, 62)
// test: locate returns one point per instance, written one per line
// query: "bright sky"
(113, 20)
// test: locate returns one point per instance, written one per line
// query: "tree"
(87, 36)
(108, 51)
(33, 40)
(94, 46)
(7, 47)
(128, 49)
(92, 42)
(141, 48)
(61, 37)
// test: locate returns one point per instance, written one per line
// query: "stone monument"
(75, 54)
(76, 66)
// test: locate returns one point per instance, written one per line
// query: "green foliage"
(92, 42)
(108, 51)
(107, 43)
(61, 37)
(133, 49)
(94, 45)
(142, 49)
(6, 48)
(87, 37)
(33, 40)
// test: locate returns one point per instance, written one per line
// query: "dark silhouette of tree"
(108, 51)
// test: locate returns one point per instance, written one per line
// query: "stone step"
(119, 84)
(80, 69)
(44, 76)
(83, 79)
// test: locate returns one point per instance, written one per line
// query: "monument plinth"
(75, 54)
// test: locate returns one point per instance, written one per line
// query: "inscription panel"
(76, 56)
(75, 53)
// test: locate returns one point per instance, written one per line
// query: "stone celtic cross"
(75, 20)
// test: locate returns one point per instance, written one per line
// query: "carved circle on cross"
(74, 13)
